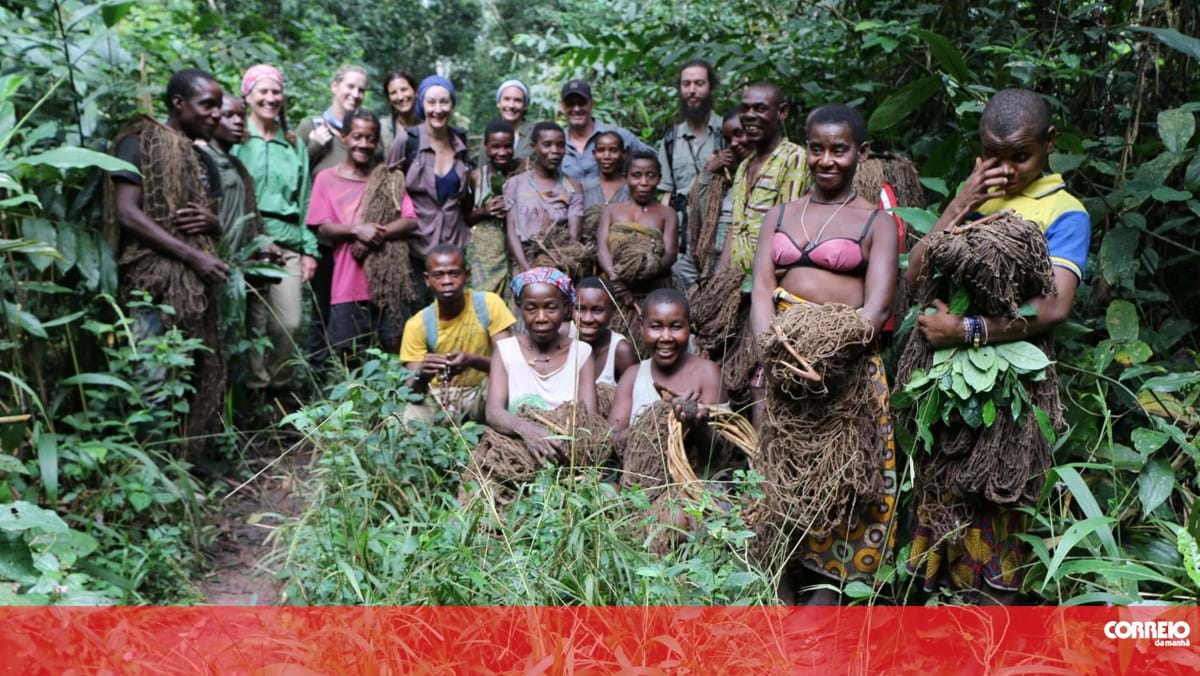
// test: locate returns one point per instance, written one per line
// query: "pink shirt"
(339, 200)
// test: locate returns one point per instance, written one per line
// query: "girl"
(612, 353)
(834, 246)
(401, 91)
(543, 368)
(336, 214)
(610, 186)
(487, 251)
(542, 197)
(278, 163)
(433, 157)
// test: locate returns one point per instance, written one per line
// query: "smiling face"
(593, 312)
(549, 148)
(643, 178)
(735, 138)
(266, 99)
(348, 92)
(199, 114)
(446, 275)
(1023, 154)
(544, 309)
(666, 332)
(498, 146)
(761, 114)
(512, 105)
(401, 96)
(232, 129)
(609, 154)
(361, 141)
(578, 109)
(833, 156)
(438, 106)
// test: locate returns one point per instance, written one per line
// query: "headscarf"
(544, 275)
(258, 72)
(513, 83)
(433, 81)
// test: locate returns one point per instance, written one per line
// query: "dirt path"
(248, 517)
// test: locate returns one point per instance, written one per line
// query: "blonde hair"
(346, 69)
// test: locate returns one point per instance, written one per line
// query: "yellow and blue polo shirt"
(1063, 220)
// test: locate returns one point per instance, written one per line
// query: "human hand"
(371, 234)
(433, 365)
(537, 439)
(722, 159)
(196, 219)
(986, 182)
(210, 268)
(322, 134)
(359, 251)
(496, 207)
(941, 328)
(458, 362)
(687, 408)
(308, 268)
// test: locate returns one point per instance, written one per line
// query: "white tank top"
(607, 374)
(644, 392)
(525, 385)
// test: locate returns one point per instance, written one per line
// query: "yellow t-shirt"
(462, 333)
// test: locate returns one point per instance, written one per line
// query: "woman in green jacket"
(278, 163)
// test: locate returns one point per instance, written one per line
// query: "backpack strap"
(669, 149)
(429, 318)
(479, 301)
(412, 145)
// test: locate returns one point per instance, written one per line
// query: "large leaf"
(115, 11)
(20, 516)
(1118, 256)
(1174, 39)
(904, 102)
(1023, 355)
(28, 322)
(41, 230)
(1175, 128)
(1155, 483)
(1073, 536)
(71, 157)
(47, 452)
(103, 379)
(946, 54)
(1121, 320)
(919, 220)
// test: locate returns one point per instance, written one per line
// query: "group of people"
(410, 241)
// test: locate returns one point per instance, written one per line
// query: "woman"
(612, 353)
(487, 251)
(610, 186)
(322, 136)
(278, 163)
(512, 100)
(541, 198)
(433, 157)
(401, 91)
(543, 368)
(832, 246)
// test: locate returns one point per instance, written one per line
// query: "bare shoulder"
(575, 185)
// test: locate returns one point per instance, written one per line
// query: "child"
(612, 353)
(1017, 140)
(486, 250)
(336, 213)
(642, 217)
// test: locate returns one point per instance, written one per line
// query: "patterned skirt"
(988, 553)
(487, 254)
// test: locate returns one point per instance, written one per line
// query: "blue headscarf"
(433, 81)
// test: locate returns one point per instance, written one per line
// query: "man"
(582, 129)
(710, 203)
(775, 174)
(449, 344)
(686, 149)
(169, 232)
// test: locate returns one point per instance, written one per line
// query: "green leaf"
(1147, 441)
(114, 12)
(1062, 163)
(41, 230)
(71, 157)
(1165, 195)
(1133, 352)
(960, 302)
(1175, 128)
(979, 380)
(103, 379)
(22, 516)
(1073, 536)
(1173, 39)
(919, 220)
(935, 184)
(1191, 176)
(983, 358)
(1091, 508)
(87, 261)
(1023, 355)
(857, 590)
(12, 464)
(1155, 483)
(1118, 255)
(1121, 320)
(26, 320)
(739, 580)
(1044, 425)
(903, 103)
(989, 412)
(1172, 382)
(959, 385)
(946, 54)
(47, 457)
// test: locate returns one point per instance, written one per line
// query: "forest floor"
(263, 494)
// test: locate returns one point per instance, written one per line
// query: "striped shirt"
(783, 179)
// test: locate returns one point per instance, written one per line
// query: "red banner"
(223, 640)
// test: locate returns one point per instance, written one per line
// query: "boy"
(642, 216)
(612, 353)
(449, 344)
(487, 250)
(1017, 140)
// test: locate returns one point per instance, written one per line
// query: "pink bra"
(842, 255)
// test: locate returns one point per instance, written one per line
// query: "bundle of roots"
(637, 253)
(555, 248)
(704, 211)
(898, 172)
(822, 451)
(388, 268)
(591, 223)
(1000, 262)
(504, 462)
(740, 358)
(644, 452)
(827, 341)
(715, 301)
(605, 395)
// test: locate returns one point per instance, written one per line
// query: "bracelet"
(983, 323)
(966, 322)
(978, 331)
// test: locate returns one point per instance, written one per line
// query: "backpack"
(430, 319)
(412, 145)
